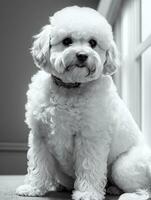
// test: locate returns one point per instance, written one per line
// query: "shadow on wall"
(20, 20)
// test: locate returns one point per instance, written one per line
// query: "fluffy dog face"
(77, 46)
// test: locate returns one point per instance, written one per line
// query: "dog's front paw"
(89, 195)
(28, 190)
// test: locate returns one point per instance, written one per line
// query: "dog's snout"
(81, 57)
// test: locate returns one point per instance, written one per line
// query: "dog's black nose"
(81, 57)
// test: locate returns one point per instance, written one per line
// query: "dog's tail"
(139, 195)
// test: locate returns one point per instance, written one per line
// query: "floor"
(8, 184)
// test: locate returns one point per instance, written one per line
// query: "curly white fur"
(78, 133)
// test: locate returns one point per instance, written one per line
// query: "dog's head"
(77, 46)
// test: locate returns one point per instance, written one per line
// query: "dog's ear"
(41, 47)
(112, 60)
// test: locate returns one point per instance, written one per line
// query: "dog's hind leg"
(41, 169)
(131, 172)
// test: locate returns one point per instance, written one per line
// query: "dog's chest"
(65, 115)
(68, 112)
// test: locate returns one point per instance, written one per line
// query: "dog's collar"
(60, 83)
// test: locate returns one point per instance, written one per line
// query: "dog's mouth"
(90, 71)
(81, 65)
(72, 66)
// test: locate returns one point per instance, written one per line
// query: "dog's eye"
(93, 43)
(67, 41)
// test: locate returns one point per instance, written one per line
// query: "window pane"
(146, 16)
(146, 69)
(146, 92)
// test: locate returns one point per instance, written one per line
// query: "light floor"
(8, 184)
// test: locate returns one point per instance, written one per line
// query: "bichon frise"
(80, 128)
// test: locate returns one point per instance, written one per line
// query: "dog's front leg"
(90, 168)
(41, 169)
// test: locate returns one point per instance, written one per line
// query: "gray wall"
(19, 21)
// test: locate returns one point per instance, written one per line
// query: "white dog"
(80, 128)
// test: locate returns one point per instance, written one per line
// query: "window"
(132, 31)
